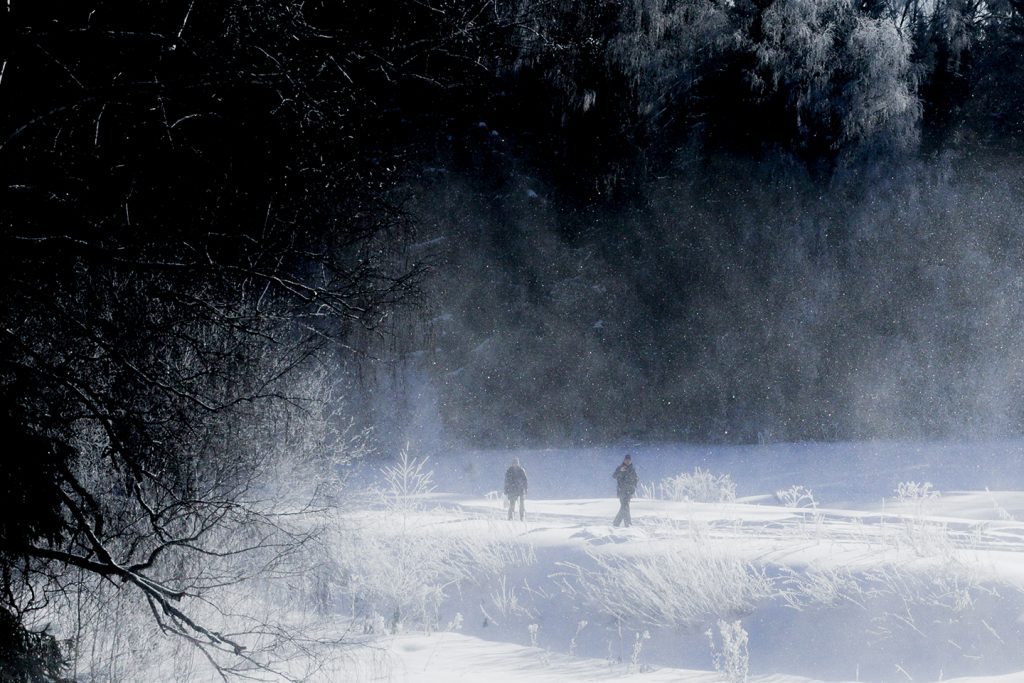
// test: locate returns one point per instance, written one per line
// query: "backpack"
(515, 480)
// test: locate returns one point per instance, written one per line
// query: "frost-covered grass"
(908, 584)
(880, 579)
(680, 586)
(393, 568)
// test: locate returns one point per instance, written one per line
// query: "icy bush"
(731, 658)
(1000, 511)
(921, 495)
(797, 497)
(638, 647)
(926, 537)
(699, 486)
(580, 625)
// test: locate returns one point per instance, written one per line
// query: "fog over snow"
(844, 562)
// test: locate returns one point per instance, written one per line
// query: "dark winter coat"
(625, 480)
(515, 481)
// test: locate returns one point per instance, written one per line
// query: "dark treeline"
(755, 306)
(731, 221)
(629, 219)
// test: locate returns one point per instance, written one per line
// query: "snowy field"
(780, 563)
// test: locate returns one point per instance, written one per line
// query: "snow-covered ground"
(869, 562)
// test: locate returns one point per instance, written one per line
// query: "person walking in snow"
(515, 488)
(625, 486)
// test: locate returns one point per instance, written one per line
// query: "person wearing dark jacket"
(625, 486)
(515, 488)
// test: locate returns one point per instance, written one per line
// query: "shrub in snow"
(638, 646)
(924, 536)
(699, 486)
(796, 497)
(731, 658)
(916, 493)
(456, 623)
(582, 624)
(1000, 511)
(929, 539)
